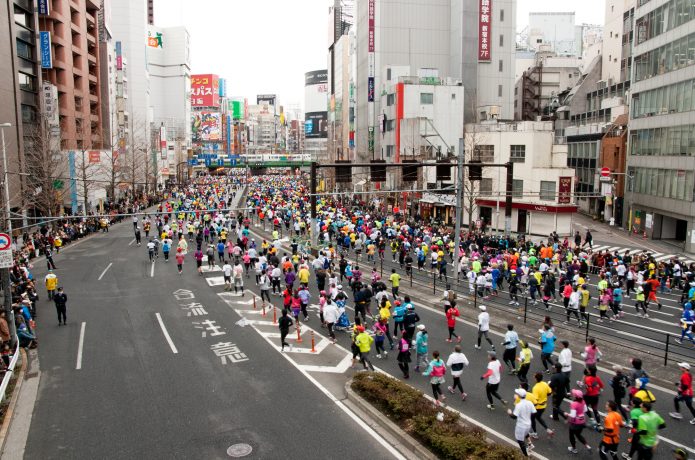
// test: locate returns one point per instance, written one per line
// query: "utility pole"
(508, 199)
(6, 283)
(459, 206)
(312, 198)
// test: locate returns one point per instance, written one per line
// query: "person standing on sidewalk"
(456, 362)
(61, 301)
(685, 393)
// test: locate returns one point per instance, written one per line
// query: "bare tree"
(46, 167)
(473, 140)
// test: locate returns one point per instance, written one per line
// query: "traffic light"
(377, 172)
(475, 171)
(409, 172)
(443, 170)
(343, 173)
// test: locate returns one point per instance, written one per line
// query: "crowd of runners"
(198, 223)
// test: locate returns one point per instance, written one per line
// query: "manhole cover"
(239, 450)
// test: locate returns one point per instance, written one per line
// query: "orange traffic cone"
(263, 311)
(313, 344)
(299, 335)
(275, 315)
(254, 302)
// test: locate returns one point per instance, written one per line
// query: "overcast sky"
(266, 46)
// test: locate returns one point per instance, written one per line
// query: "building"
(169, 66)
(661, 145)
(74, 69)
(20, 94)
(433, 37)
(542, 187)
(316, 114)
(262, 128)
(556, 29)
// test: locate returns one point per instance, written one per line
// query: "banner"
(316, 77)
(564, 195)
(163, 142)
(370, 89)
(44, 8)
(94, 157)
(119, 57)
(46, 54)
(206, 126)
(370, 26)
(484, 30)
(205, 90)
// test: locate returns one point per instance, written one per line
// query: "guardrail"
(9, 373)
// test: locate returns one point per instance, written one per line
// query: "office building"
(316, 114)
(661, 151)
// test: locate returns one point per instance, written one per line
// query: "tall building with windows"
(661, 150)
(20, 85)
(74, 69)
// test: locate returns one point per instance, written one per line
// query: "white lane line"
(80, 346)
(131, 243)
(152, 270)
(104, 272)
(166, 333)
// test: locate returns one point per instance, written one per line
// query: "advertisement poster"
(565, 190)
(46, 55)
(205, 90)
(94, 157)
(206, 126)
(316, 125)
(484, 30)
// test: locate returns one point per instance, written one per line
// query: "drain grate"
(239, 450)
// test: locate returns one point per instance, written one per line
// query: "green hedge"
(406, 406)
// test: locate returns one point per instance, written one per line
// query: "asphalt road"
(131, 396)
(678, 433)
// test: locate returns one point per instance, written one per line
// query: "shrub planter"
(417, 416)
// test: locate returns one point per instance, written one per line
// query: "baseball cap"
(521, 392)
(482, 307)
(421, 327)
(684, 365)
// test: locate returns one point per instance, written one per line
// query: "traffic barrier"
(263, 309)
(254, 302)
(275, 315)
(313, 344)
(299, 334)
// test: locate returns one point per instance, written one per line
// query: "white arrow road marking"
(343, 366)
(215, 281)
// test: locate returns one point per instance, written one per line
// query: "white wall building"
(316, 114)
(169, 67)
(542, 181)
(556, 29)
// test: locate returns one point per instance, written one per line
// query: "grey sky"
(266, 46)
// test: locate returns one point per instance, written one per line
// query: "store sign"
(565, 190)
(163, 142)
(205, 90)
(119, 56)
(46, 55)
(484, 30)
(94, 157)
(44, 7)
(371, 25)
(156, 41)
(370, 89)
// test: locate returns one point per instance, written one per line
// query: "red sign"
(205, 90)
(530, 206)
(605, 172)
(94, 156)
(484, 30)
(564, 195)
(371, 26)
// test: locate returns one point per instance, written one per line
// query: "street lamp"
(6, 271)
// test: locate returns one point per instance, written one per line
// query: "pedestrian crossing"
(658, 256)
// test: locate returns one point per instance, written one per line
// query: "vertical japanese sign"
(371, 74)
(371, 25)
(46, 55)
(205, 90)
(484, 30)
(564, 190)
(119, 56)
(94, 157)
(163, 142)
(44, 7)
(370, 89)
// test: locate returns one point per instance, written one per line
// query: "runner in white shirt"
(227, 273)
(484, 327)
(456, 362)
(523, 411)
(493, 376)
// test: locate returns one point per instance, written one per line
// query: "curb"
(7, 422)
(394, 435)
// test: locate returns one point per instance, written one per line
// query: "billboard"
(564, 195)
(46, 54)
(236, 108)
(316, 77)
(316, 125)
(205, 90)
(94, 157)
(155, 41)
(119, 56)
(267, 98)
(484, 30)
(44, 8)
(206, 126)
(370, 26)
(162, 143)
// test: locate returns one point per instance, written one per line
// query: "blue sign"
(46, 57)
(193, 162)
(370, 89)
(220, 162)
(44, 8)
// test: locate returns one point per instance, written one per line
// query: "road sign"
(5, 251)
(605, 172)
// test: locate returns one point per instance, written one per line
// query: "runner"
(457, 362)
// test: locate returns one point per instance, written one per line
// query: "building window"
(517, 188)
(28, 114)
(426, 98)
(499, 91)
(486, 186)
(501, 15)
(547, 190)
(390, 99)
(486, 153)
(501, 66)
(501, 41)
(24, 50)
(389, 150)
(517, 153)
(26, 82)
(390, 125)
